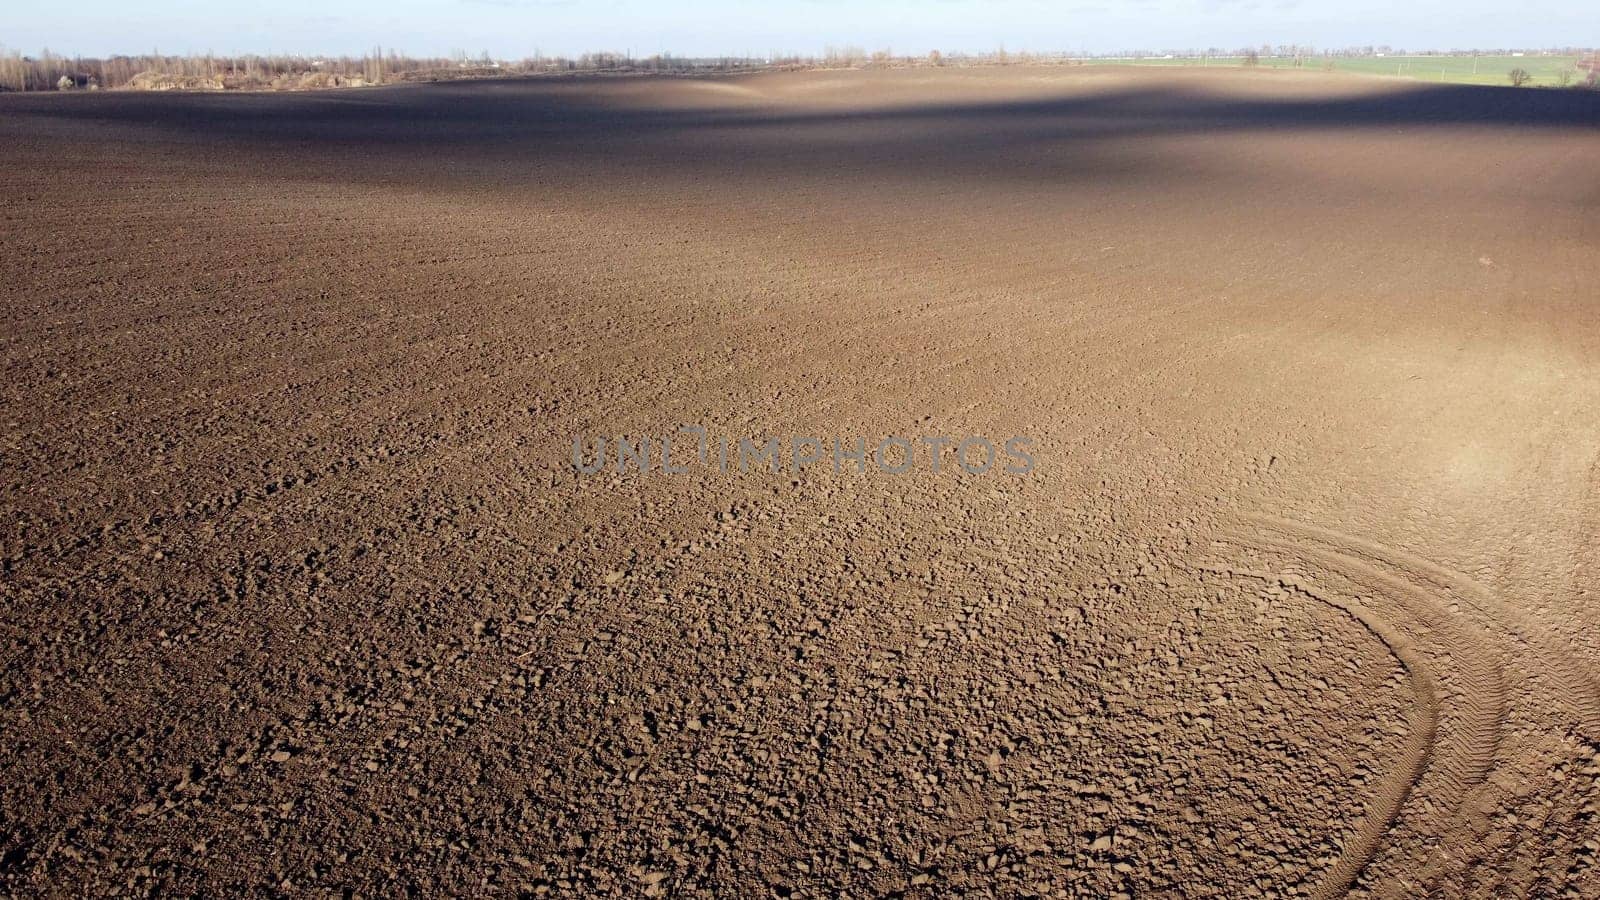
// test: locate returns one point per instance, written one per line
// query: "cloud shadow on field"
(524, 123)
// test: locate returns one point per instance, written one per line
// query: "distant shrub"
(1519, 77)
(167, 81)
(1252, 58)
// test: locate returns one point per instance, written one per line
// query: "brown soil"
(302, 590)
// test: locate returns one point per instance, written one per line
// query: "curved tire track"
(1416, 754)
(1455, 676)
(1575, 685)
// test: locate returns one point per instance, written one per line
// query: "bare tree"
(1519, 77)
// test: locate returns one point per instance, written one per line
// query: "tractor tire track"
(1422, 729)
(1576, 686)
(1460, 689)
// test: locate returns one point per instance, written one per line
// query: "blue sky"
(516, 28)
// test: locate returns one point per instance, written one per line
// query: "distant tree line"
(47, 71)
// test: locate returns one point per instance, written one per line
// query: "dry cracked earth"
(304, 594)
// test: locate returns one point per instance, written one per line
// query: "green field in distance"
(1546, 70)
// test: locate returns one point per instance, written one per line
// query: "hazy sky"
(516, 28)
